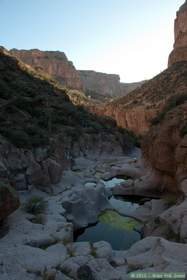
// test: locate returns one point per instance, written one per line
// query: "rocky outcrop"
(165, 148)
(53, 63)
(179, 52)
(24, 167)
(9, 200)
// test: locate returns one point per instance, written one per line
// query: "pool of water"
(113, 182)
(120, 239)
(120, 231)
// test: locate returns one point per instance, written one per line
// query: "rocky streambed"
(120, 231)
(40, 243)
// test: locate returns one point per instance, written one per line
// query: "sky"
(132, 38)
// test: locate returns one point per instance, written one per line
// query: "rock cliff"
(53, 63)
(100, 84)
(136, 110)
(165, 147)
(179, 52)
(104, 86)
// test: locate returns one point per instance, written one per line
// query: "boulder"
(80, 249)
(84, 204)
(53, 169)
(176, 220)
(157, 254)
(44, 174)
(98, 269)
(102, 249)
(72, 265)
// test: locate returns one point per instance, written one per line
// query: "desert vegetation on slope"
(34, 108)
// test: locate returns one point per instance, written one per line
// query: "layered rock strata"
(179, 52)
(53, 63)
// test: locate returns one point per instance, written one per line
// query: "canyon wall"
(53, 63)
(96, 83)
(100, 85)
(136, 110)
(165, 148)
(179, 52)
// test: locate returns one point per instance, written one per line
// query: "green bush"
(35, 205)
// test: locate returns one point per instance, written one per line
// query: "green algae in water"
(113, 228)
(114, 219)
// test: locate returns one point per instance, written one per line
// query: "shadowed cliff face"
(179, 52)
(165, 148)
(53, 63)
(41, 130)
(34, 108)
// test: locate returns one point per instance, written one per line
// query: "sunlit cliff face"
(179, 52)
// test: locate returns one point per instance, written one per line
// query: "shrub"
(35, 205)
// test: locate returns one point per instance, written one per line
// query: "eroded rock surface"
(179, 52)
(53, 63)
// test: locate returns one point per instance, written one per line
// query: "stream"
(120, 231)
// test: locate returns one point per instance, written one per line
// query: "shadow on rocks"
(85, 273)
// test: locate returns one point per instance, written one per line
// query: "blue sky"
(131, 38)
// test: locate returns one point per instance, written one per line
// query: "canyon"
(104, 87)
(99, 86)
(59, 150)
(137, 110)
